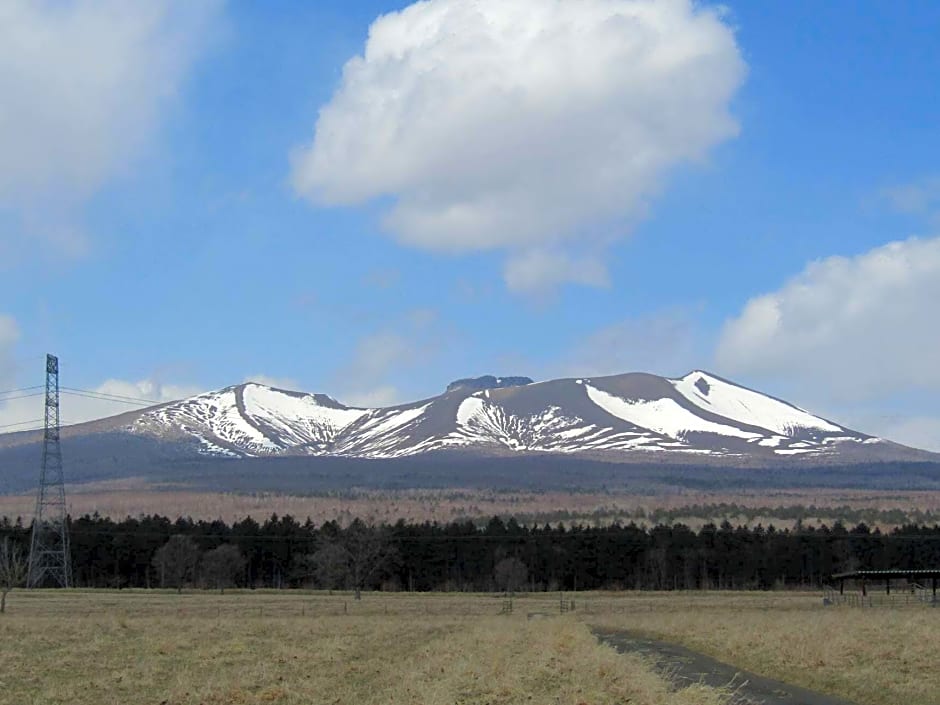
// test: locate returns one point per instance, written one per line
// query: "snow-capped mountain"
(630, 416)
(633, 430)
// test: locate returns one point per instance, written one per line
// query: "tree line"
(282, 552)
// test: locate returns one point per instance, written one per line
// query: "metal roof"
(892, 573)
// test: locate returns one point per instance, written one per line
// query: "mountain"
(630, 415)
(699, 419)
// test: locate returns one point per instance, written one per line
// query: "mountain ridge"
(630, 417)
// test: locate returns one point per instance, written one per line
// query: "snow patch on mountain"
(383, 433)
(551, 430)
(696, 414)
(482, 420)
(255, 420)
(748, 407)
(213, 415)
(296, 419)
(664, 416)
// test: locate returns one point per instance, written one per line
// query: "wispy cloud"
(917, 198)
(384, 358)
(9, 335)
(288, 383)
(87, 86)
(665, 343)
(78, 409)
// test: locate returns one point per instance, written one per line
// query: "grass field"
(879, 656)
(136, 647)
(297, 647)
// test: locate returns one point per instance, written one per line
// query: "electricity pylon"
(49, 558)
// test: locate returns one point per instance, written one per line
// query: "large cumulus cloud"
(859, 327)
(537, 126)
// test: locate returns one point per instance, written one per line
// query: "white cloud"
(388, 355)
(9, 332)
(920, 198)
(379, 354)
(664, 343)
(915, 431)
(288, 383)
(527, 125)
(9, 335)
(903, 421)
(75, 408)
(858, 327)
(385, 395)
(147, 389)
(534, 271)
(83, 86)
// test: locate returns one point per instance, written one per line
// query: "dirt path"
(685, 667)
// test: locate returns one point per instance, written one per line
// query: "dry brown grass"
(218, 650)
(249, 647)
(880, 656)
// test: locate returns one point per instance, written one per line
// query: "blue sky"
(192, 257)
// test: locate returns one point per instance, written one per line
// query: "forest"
(282, 552)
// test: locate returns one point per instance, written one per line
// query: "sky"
(372, 199)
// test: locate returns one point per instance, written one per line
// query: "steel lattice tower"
(49, 558)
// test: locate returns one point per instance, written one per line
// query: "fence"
(301, 604)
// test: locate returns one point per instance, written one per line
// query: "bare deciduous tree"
(176, 561)
(13, 567)
(510, 574)
(353, 556)
(222, 566)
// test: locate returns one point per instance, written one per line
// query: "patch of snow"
(469, 407)
(296, 419)
(395, 420)
(217, 414)
(575, 432)
(748, 407)
(663, 416)
(210, 448)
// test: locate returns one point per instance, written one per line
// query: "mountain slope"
(636, 430)
(629, 416)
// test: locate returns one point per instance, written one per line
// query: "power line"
(101, 397)
(20, 423)
(21, 389)
(21, 396)
(107, 396)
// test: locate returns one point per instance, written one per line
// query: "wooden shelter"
(913, 577)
